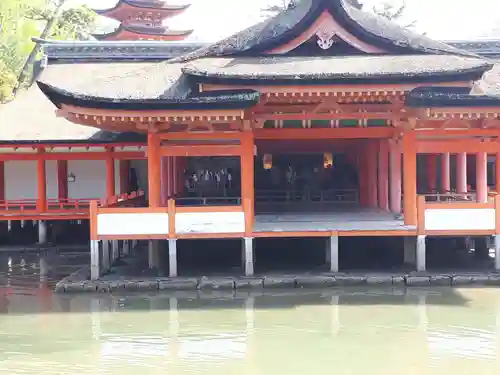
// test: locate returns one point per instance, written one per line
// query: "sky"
(439, 19)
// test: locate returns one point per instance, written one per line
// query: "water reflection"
(354, 331)
(383, 331)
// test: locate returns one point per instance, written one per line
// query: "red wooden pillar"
(164, 180)
(481, 177)
(363, 180)
(497, 173)
(395, 185)
(154, 170)
(410, 178)
(62, 179)
(431, 172)
(2, 181)
(462, 172)
(383, 176)
(41, 182)
(124, 166)
(110, 176)
(372, 174)
(171, 177)
(445, 172)
(247, 179)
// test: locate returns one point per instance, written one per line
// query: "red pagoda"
(143, 20)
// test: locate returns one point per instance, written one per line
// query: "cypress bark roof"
(290, 23)
(134, 86)
(331, 69)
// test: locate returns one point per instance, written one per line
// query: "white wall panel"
(90, 179)
(132, 224)
(210, 222)
(460, 219)
(20, 179)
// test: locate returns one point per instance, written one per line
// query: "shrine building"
(322, 122)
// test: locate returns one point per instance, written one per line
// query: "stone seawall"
(79, 282)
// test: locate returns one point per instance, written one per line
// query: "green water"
(358, 331)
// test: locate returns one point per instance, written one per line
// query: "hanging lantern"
(268, 161)
(327, 160)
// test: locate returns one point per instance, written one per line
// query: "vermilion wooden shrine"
(324, 121)
(143, 20)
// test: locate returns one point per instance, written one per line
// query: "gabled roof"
(291, 23)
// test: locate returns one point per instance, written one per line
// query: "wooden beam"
(306, 90)
(328, 116)
(314, 134)
(469, 146)
(201, 150)
(166, 115)
(178, 136)
(429, 133)
(127, 155)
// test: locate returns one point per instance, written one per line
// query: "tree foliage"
(20, 21)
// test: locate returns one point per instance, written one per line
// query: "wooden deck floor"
(327, 218)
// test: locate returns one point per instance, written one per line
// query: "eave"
(144, 33)
(134, 7)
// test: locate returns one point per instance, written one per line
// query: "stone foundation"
(79, 282)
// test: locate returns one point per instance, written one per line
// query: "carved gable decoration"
(327, 31)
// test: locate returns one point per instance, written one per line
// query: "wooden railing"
(171, 221)
(208, 201)
(124, 200)
(450, 197)
(53, 205)
(457, 214)
(344, 196)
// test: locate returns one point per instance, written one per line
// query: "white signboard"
(210, 222)
(466, 219)
(132, 224)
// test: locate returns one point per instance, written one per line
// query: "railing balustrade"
(347, 196)
(450, 197)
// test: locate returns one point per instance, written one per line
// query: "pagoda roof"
(146, 31)
(145, 4)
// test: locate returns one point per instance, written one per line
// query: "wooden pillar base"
(94, 260)
(497, 252)
(172, 258)
(247, 256)
(421, 254)
(410, 251)
(115, 250)
(154, 254)
(106, 261)
(332, 253)
(42, 232)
